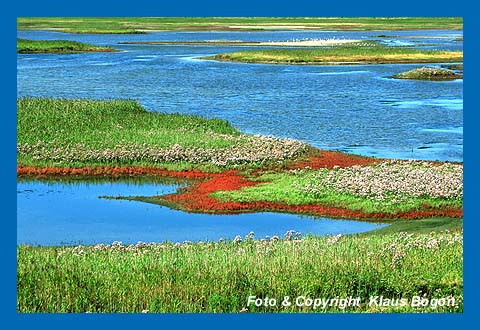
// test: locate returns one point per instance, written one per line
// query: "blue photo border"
(461, 8)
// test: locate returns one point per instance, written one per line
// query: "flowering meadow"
(244, 150)
(61, 132)
(388, 186)
(391, 182)
(220, 276)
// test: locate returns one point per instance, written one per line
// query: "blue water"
(72, 213)
(356, 108)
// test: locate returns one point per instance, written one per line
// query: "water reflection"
(52, 213)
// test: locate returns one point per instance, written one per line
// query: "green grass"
(420, 226)
(289, 188)
(435, 74)
(112, 122)
(99, 125)
(364, 52)
(25, 46)
(77, 133)
(147, 24)
(219, 277)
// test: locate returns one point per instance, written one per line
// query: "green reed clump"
(220, 276)
(66, 132)
(25, 46)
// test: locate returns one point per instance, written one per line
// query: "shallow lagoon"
(54, 213)
(357, 109)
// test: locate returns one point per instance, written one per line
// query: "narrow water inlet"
(57, 213)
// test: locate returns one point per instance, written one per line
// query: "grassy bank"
(59, 137)
(147, 24)
(220, 276)
(365, 52)
(377, 191)
(387, 187)
(419, 226)
(25, 46)
(429, 74)
(79, 133)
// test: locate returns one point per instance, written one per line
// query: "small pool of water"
(56, 213)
